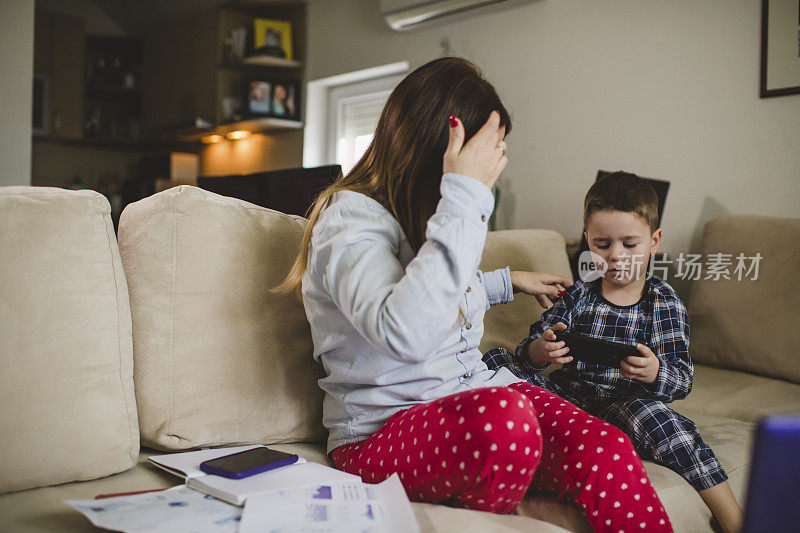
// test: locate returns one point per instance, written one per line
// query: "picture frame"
(276, 98)
(780, 48)
(258, 98)
(272, 38)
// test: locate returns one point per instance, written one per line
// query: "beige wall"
(666, 89)
(16, 87)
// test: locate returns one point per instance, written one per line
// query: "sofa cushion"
(218, 358)
(42, 510)
(738, 395)
(521, 249)
(66, 389)
(745, 324)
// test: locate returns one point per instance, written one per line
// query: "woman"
(388, 271)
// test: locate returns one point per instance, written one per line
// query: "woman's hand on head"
(483, 157)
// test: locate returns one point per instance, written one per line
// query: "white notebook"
(235, 491)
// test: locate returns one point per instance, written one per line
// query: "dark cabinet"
(112, 96)
(58, 68)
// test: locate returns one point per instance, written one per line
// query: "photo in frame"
(273, 98)
(258, 100)
(272, 38)
(780, 47)
(286, 99)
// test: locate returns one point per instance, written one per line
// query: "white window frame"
(322, 101)
(340, 97)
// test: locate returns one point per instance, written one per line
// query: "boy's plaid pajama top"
(658, 320)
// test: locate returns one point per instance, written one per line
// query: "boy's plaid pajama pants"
(657, 432)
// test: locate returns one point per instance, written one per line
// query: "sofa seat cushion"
(739, 395)
(66, 386)
(42, 509)
(219, 359)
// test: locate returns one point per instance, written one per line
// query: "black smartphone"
(596, 351)
(247, 463)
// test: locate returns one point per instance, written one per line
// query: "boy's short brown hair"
(622, 191)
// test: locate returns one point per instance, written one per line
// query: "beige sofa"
(169, 339)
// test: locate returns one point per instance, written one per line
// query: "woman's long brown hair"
(402, 167)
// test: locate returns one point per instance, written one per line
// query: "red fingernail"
(561, 293)
(453, 121)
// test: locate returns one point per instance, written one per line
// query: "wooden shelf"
(263, 124)
(255, 125)
(269, 61)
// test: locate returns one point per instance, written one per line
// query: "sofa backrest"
(221, 360)
(67, 402)
(534, 250)
(749, 324)
(218, 359)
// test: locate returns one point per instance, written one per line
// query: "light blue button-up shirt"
(385, 323)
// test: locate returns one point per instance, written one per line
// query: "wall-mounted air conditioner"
(407, 14)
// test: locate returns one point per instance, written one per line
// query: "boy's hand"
(539, 284)
(644, 369)
(545, 349)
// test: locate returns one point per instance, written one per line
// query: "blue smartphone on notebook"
(247, 463)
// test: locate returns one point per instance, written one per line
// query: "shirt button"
(467, 375)
(469, 289)
(483, 218)
(468, 326)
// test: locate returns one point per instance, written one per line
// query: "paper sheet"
(296, 476)
(333, 508)
(176, 509)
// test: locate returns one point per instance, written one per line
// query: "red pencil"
(102, 496)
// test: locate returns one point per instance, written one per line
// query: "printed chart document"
(177, 509)
(332, 508)
(236, 491)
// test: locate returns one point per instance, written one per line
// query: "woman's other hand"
(483, 157)
(540, 285)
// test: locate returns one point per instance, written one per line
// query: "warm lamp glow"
(211, 139)
(238, 134)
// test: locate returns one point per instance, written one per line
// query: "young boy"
(627, 305)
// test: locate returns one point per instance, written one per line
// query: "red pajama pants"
(484, 449)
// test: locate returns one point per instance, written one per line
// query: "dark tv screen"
(290, 191)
